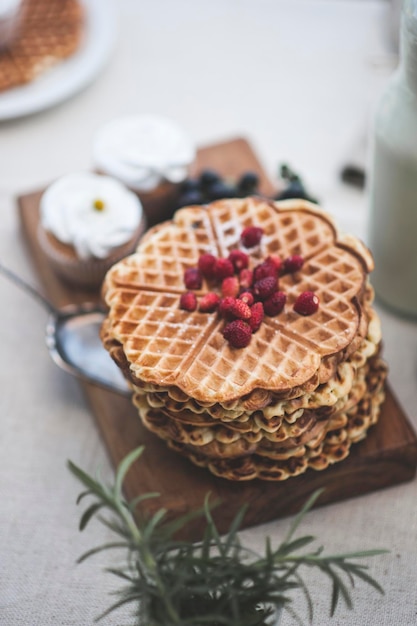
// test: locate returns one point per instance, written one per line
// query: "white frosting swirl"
(143, 150)
(90, 212)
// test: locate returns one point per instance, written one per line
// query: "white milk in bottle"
(393, 179)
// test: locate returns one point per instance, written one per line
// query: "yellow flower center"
(98, 204)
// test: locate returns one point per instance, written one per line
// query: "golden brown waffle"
(335, 446)
(284, 437)
(51, 30)
(166, 346)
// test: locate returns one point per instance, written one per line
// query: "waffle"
(304, 389)
(166, 346)
(51, 31)
(332, 448)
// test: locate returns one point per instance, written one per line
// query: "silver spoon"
(73, 340)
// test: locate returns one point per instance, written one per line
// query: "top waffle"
(167, 346)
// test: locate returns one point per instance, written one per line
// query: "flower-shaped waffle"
(166, 346)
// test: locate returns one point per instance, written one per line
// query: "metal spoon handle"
(19, 282)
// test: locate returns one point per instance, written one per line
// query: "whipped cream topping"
(90, 212)
(143, 151)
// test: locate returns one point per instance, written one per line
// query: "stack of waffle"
(302, 391)
(51, 31)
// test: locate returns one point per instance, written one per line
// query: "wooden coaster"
(388, 455)
(51, 30)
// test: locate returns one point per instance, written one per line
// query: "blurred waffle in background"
(50, 31)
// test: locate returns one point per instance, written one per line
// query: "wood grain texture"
(388, 456)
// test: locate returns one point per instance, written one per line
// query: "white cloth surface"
(298, 79)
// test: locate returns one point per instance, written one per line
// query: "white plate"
(70, 75)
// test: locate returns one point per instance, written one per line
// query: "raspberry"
(264, 269)
(209, 302)
(223, 269)
(307, 303)
(230, 287)
(247, 297)
(251, 236)
(232, 307)
(276, 260)
(237, 333)
(193, 278)
(257, 315)
(265, 287)
(206, 265)
(292, 264)
(275, 303)
(239, 259)
(188, 301)
(246, 278)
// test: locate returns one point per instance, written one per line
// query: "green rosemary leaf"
(145, 496)
(300, 516)
(153, 523)
(123, 468)
(82, 495)
(234, 527)
(106, 546)
(360, 573)
(293, 546)
(88, 514)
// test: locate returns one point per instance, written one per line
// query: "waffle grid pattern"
(286, 352)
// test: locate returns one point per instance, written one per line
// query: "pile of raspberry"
(246, 295)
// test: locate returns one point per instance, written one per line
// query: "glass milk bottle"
(393, 179)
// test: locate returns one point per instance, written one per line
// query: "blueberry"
(209, 177)
(295, 189)
(193, 196)
(248, 183)
(220, 190)
(190, 184)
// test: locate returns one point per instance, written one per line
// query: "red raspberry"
(188, 301)
(206, 265)
(251, 236)
(239, 259)
(193, 278)
(246, 278)
(276, 260)
(275, 303)
(230, 287)
(307, 303)
(209, 302)
(232, 307)
(237, 333)
(247, 297)
(292, 264)
(265, 287)
(264, 269)
(257, 315)
(223, 269)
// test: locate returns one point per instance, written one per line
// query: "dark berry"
(208, 177)
(239, 259)
(219, 190)
(264, 269)
(207, 265)
(193, 278)
(292, 264)
(188, 301)
(188, 198)
(275, 303)
(265, 287)
(307, 303)
(248, 183)
(238, 333)
(257, 315)
(223, 269)
(209, 302)
(251, 236)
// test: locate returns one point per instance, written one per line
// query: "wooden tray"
(388, 456)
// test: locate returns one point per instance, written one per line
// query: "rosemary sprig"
(216, 581)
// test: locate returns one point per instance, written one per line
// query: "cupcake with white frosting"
(87, 223)
(148, 153)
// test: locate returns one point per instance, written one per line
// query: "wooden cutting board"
(388, 456)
